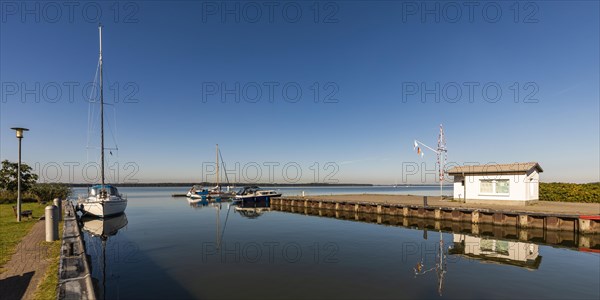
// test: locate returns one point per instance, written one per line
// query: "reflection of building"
(507, 183)
(519, 254)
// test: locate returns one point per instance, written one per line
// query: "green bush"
(570, 192)
(46, 192)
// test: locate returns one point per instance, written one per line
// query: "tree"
(8, 176)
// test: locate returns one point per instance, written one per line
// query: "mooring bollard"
(51, 223)
(58, 203)
(425, 201)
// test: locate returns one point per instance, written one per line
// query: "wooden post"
(475, 217)
(523, 221)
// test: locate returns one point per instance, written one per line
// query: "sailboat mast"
(217, 159)
(101, 111)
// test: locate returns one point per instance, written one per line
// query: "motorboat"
(255, 194)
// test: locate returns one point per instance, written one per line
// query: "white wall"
(523, 187)
(458, 188)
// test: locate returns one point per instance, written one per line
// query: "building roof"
(496, 168)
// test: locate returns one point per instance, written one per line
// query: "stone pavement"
(26, 267)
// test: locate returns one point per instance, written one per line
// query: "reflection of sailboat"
(103, 229)
(525, 255)
(440, 266)
(197, 202)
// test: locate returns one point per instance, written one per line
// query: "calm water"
(165, 248)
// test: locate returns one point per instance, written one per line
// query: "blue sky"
(370, 61)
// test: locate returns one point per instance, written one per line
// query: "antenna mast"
(442, 156)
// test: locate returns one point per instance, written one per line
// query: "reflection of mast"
(440, 266)
(441, 270)
(104, 238)
(220, 234)
(218, 209)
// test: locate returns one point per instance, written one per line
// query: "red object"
(589, 250)
(596, 218)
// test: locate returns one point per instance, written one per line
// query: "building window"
(500, 187)
(486, 187)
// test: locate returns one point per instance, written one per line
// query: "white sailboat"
(102, 200)
(217, 191)
(197, 192)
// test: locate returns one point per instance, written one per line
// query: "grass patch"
(12, 232)
(47, 287)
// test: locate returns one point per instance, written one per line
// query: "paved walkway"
(567, 208)
(26, 267)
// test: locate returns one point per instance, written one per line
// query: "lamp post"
(19, 132)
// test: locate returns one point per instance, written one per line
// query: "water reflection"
(525, 255)
(252, 209)
(439, 265)
(198, 203)
(100, 230)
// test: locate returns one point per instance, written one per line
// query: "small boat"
(197, 192)
(255, 194)
(103, 200)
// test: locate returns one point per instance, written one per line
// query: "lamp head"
(19, 131)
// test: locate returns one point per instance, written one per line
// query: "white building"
(516, 183)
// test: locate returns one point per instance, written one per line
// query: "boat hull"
(103, 208)
(256, 198)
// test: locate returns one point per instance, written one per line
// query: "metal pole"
(101, 111)
(464, 187)
(19, 184)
